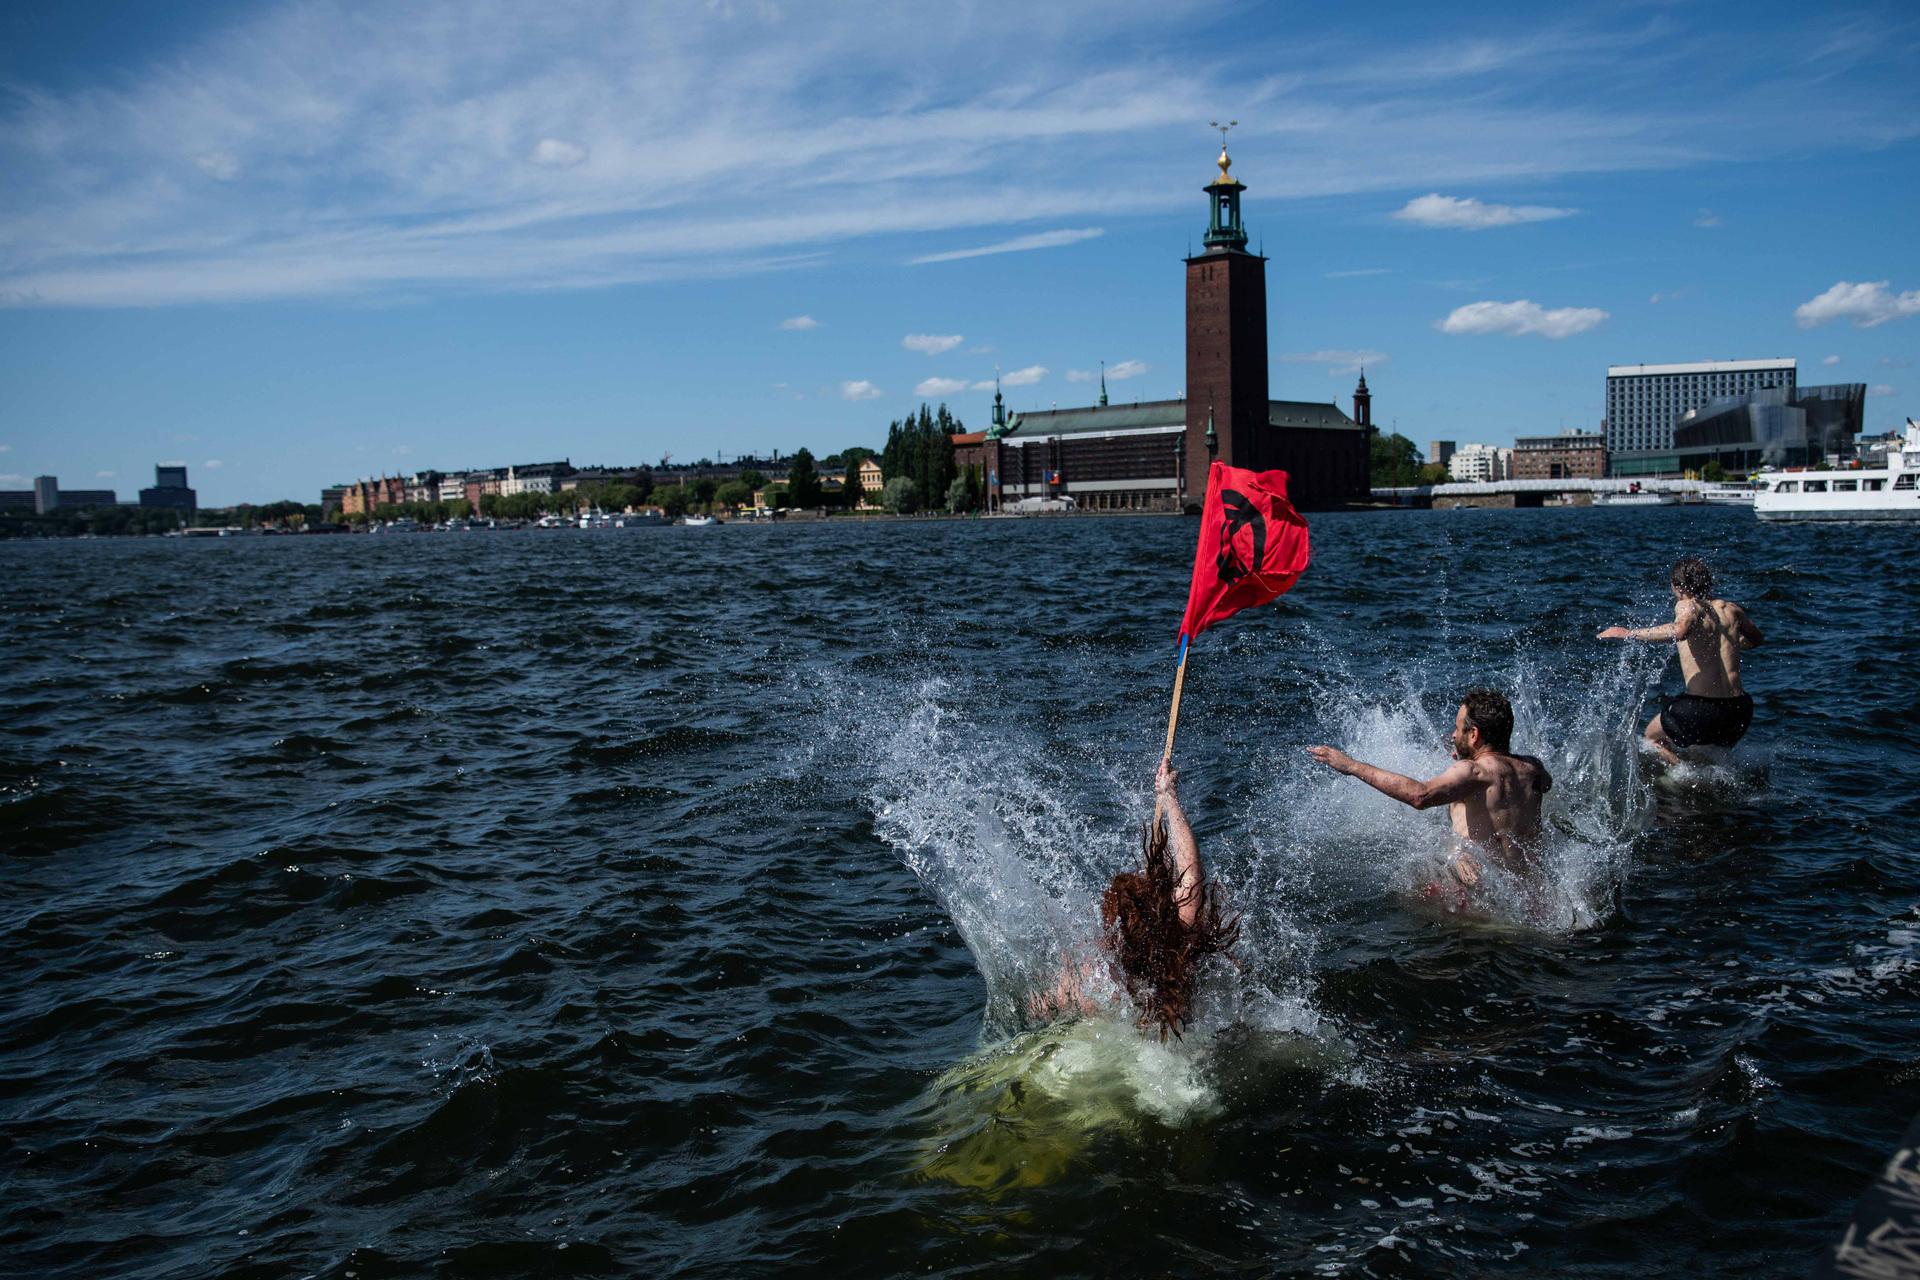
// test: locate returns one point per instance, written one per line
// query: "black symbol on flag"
(1239, 513)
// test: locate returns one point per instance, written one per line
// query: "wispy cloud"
(1830, 360)
(104, 475)
(800, 323)
(6, 448)
(1336, 360)
(1468, 214)
(213, 464)
(1081, 375)
(12, 478)
(860, 389)
(1121, 370)
(1880, 389)
(1706, 219)
(1024, 377)
(939, 386)
(1867, 305)
(1360, 271)
(931, 344)
(1019, 244)
(1522, 317)
(300, 150)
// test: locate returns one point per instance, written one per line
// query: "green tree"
(752, 478)
(901, 496)
(734, 493)
(778, 498)
(702, 489)
(959, 496)
(1713, 472)
(1433, 473)
(1395, 462)
(803, 482)
(674, 501)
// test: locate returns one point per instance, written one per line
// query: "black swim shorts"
(1693, 721)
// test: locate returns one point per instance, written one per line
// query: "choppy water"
(662, 901)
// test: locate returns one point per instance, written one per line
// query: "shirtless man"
(1714, 711)
(1492, 795)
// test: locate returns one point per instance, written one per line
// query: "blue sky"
(292, 244)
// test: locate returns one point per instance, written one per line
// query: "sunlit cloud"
(1867, 305)
(860, 389)
(1124, 369)
(1469, 214)
(799, 324)
(931, 344)
(1519, 318)
(939, 386)
(1024, 377)
(552, 153)
(1019, 244)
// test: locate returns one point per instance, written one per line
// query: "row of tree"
(919, 450)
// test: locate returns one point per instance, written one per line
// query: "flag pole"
(1173, 718)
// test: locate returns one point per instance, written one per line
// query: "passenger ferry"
(1882, 493)
(1729, 493)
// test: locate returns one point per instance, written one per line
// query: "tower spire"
(999, 405)
(1224, 230)
(1103, 384)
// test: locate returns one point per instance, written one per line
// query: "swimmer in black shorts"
(1715, 710)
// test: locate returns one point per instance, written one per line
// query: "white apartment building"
(1645, 400)
(538, 477)
(1471, 462)
(453, 487)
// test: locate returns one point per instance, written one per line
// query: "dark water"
(598, 903)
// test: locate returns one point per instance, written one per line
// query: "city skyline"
(495, 238)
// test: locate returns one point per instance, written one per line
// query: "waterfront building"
(872, 480)
(16, 499)
(1153, 455)
(364, 496)
(1440, 452)
(1771, 428)
(170, 490)
(1568, 455)
(332, 497)
(452, 487)
(1645, 402)
(1480, 462)
(535, 477)
(424, 486)
(47, 496)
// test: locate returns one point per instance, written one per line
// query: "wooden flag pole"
(1173, 719)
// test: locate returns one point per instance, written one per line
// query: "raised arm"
(1180, 842)
(1749, 634)
(1451, 784)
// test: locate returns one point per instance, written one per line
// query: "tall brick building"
(1154, 455)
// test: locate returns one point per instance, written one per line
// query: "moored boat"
(1891, 492)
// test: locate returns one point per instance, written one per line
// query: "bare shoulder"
(1533, 771)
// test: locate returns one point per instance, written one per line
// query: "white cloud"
(553, 153)
(1831, 360)
(1867, 304)
(931, 344)
(1025, 377)
(1880, 389)
(12, 478)
(1019, 244)
(1363, 271)
(221, 166)
(394, 159)
(1706, 219)
(939, 386)
(985, 384)
(860, 390)
(1473, 215)
(1337, 360)
(1522, 317)
(104, 475)
(213, 464)
(1081, 375)
(799, 324)
(1126, 369)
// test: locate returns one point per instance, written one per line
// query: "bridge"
(1525, 493)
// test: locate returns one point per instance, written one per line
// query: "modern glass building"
(1772, 428)
(1645, 401)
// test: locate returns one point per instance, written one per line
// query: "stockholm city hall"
(1153, 455)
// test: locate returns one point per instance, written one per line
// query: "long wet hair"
(1159, 954)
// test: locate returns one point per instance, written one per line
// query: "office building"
(1646, 401)
(1440, 452)
(1477, 462)
(1771, 429)
(170, 490)
(1568, 455)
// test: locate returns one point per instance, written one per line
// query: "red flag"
(1253, 546)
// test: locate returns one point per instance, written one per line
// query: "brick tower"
(1226, 338)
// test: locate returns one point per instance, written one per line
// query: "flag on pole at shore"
(1253, 546)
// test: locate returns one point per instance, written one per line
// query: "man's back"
(1708, 635)
(1500, 812)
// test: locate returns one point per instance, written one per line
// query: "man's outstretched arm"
(1445, 788)
(1686, 615)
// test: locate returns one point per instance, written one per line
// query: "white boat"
(699, 520)
(1891, 492)
(1730, 494)
(1636, 498)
